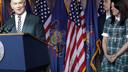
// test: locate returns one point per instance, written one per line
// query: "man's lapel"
(12, 25)
(26, 22)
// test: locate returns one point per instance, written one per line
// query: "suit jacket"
(32, 25)
(101, 21)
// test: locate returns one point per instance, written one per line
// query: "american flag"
(41, 9)
(75, 52)
(101, 9)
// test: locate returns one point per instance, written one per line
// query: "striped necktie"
(19, 24)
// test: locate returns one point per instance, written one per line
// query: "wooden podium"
(22, 53)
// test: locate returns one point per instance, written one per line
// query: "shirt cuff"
(105, 34)
(126, 36)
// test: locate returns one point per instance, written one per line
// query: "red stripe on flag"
(75, 52)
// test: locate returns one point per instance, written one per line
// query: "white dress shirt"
(107, 16)
(23, 16)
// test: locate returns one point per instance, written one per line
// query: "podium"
(22, 53)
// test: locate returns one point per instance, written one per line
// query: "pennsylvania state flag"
(93, 41)
(58, 36)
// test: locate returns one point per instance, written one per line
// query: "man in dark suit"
(101, 20)
(24, 22)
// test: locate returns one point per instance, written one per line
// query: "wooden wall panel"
(0, 12)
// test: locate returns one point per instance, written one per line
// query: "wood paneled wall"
(0, 11)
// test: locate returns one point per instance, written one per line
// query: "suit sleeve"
(40, 33)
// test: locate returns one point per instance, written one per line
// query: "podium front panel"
(13, 53)
(22, 53)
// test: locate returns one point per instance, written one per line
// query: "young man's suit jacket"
(101, 21)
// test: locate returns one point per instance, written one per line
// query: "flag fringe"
(84, 69)
(98, 43)
(67, 5)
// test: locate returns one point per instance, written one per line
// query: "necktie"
(19, 24)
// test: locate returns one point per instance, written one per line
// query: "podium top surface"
(13, 34)
(22, 34)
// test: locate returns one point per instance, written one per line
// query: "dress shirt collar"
(107, 16)
(23, 16)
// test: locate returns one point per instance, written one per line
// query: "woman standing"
(115, 40)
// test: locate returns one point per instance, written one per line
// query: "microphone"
(6, 29)
(3, 29)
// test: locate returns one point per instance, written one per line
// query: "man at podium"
(22, 21)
